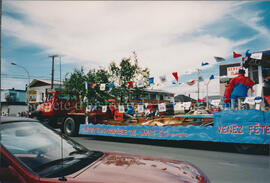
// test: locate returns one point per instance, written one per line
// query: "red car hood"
(123, 168)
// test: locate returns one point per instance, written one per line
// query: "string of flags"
(163, 79)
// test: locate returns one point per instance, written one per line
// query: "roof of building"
(183, 98)
(42, 82)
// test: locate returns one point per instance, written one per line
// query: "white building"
(38, 88)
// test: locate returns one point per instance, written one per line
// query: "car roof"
(10, 119)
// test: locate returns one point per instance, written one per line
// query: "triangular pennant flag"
(102, 86)
(162, 79)
(130, 84)
(191, 82)
(219, 59)
(248, 54)
(175, 76)
(236, 55)
(205, 63)
(151, 80)
(212, 77)
(93, 85)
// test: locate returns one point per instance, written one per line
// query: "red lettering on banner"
(219, 129)
(256, 129)
(161, 132)
(234, 130)
(250, 128)
(263, 128)
(132, 132)
(240, 130)
(224, 129)
(268, 130)
(147, 132)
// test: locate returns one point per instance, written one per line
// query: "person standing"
(238, 88)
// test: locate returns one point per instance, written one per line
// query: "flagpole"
(198, 85)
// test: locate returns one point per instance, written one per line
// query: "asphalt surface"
(220, 162)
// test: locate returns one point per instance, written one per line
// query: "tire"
(249, 148)
(70, 127)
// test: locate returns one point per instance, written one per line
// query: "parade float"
(248, 128)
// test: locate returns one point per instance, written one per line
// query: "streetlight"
(12, 63)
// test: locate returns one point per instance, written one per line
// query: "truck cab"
(55, 108)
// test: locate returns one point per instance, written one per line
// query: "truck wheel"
(249, 148)
(71, 127)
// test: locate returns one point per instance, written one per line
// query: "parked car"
(34, 153)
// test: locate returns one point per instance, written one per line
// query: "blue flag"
(151, 80)
(205, 63)
(212, 77)
(248, 54)
(111, 85)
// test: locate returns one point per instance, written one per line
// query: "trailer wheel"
(249, 148)
(70, 127)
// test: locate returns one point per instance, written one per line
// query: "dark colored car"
(34, 153)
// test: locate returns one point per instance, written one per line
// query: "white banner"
(187, 105)
(257, 56)
(233, 71)
(104, 108)
(102, 87)
(121, 109)
(215, 102)
(140, 83)
(88, 108)
(250, 100)
(140, 108)
(162, 107)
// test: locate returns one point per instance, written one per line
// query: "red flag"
(236, 55)
(200, 100)
(93, 85)
(130, 84)
(243, 59)
(191, 82)
(175, 76)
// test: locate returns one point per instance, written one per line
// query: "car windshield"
(44, 151)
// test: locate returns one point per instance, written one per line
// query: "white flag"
(121, 109)
(88, 108)
(102, 87)
(257, 56)
(140, 108)
(104, 108)
(162, 107)
(250, 100)
(140, 83)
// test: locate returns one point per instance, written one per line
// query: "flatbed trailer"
(240, 127)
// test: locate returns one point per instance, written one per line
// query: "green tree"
(128, 70)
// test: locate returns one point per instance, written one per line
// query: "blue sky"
(167, 37)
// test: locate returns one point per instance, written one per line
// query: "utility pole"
(52, 56)
(0, 56)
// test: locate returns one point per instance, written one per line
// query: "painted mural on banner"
(252, 127)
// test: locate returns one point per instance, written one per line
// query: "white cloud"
(167, 36)
(95, 33)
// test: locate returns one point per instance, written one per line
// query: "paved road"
(219, 161)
